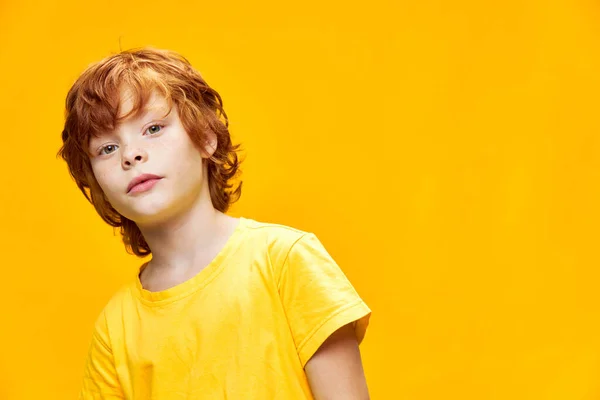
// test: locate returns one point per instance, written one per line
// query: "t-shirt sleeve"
(100, 379)
(317, 297)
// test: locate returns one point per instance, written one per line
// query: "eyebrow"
(146, 111)
(157, 108)
(152, 110)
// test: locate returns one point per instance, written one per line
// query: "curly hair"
(92, 106)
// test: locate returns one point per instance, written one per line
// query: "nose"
(133, 156)
(137, 158)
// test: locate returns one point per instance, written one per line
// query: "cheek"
(185, 156)
(102, 177)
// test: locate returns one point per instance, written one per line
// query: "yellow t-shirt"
(242, 328)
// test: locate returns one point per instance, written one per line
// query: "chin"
(145, 209)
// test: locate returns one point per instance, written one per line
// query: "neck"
(190, 238)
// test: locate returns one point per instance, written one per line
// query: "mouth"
(144, 186)
(142, 183)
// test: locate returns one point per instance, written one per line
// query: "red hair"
(92, 106)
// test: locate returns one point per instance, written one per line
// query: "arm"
(327, 319)
(100, 380)
(335, 371)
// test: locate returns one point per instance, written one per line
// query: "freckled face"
(150, 144)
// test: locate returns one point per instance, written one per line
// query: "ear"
(210, 144)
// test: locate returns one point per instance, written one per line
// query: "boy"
(227, 308)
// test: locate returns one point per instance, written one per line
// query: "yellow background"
(447, 153)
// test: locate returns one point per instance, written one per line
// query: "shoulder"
(112, 311)
(279, 237)
(278, 240)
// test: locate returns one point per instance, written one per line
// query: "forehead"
(156, 104)
(155, 107)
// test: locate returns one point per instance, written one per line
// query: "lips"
(140, 179)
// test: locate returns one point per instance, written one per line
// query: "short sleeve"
(100, 378)
(317, 297)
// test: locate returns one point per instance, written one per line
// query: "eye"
(154, 126)
(152, 131)
(106, 147)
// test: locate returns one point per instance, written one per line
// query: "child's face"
(149, 145)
